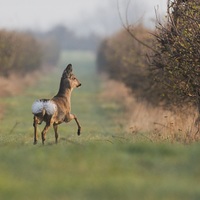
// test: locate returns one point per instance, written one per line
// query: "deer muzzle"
(79, 85)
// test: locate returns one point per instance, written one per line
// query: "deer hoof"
(35, 142)
(79, 132)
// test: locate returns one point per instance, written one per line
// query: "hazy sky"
(81, 15)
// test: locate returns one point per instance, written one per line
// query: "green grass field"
(103, 163)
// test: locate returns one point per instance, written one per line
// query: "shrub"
(124, 59)
(176, 65)
(19, 53)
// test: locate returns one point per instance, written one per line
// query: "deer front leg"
(46, 128)
(77, 122)
(56, 132)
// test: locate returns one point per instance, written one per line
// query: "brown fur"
(62, 100)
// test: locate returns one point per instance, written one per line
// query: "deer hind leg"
(56, 132)
(35, 129)
(46, 128)
(37, 119)
(77, 122)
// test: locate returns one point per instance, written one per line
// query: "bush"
(176, 65)
(124, 59)
(19, 53)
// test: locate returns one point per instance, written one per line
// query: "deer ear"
(67, 71)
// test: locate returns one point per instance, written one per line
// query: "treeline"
(67, 39)
(167, 68)
(23, 52)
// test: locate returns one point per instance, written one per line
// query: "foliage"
(19, 52)
(124, 59)
(176, 63)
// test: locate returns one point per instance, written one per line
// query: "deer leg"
(46, 128)
(35, 130)
(77, 122)
(56, 132)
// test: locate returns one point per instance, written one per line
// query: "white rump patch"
(48, 105)
(37, 107)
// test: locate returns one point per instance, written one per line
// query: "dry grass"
(163, 125)
(15, 84)
(145, 122)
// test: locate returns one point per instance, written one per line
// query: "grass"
(103, 163)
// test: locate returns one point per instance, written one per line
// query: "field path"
(102, 163)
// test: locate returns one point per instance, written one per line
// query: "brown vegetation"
(176, 63)
(15, 83)
(124, 59)
(146, 122)
(19, 53)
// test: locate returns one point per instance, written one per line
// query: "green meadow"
(104, 162)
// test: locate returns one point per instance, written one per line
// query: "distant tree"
(67, 39)
(63, 36)
(50, 51)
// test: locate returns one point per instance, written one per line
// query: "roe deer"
(56, 110)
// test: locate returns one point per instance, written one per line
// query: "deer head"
(69, 78)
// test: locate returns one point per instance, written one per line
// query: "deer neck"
(65, 93)
(64, 90)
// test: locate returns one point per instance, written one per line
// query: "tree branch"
(127, 27)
